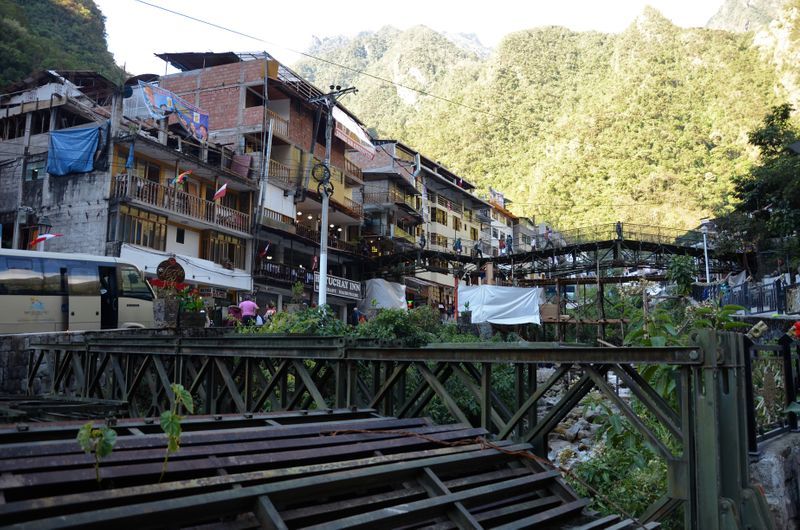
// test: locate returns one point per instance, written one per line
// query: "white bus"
(51, 291)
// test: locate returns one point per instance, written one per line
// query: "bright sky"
(137, 31)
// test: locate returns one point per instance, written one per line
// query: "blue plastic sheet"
(72, 151)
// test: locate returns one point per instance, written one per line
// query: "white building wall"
(190, 245)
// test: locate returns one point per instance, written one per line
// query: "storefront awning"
(199, 271)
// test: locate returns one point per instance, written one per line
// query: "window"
(179, 235)
(494, 233)
(224, 249)
(83, 279)
(21, 276)
(526, 240)
(132, 284)
(254, 96)
(35, 168)
(456, 224)
(473, 234)
(438, 216)
(143, 228)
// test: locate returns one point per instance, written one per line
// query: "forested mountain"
(649, 125)
(66, 34)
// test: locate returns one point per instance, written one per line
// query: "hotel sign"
(340, 287)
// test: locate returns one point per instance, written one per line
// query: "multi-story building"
(125, 199)
(246, 97)
(392, 198)
(455, 223)
(524, 234)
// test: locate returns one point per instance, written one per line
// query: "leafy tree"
(770, 194)
(680, 271)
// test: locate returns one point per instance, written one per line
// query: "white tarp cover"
(197, 270)
(501, 305)
(387, 295)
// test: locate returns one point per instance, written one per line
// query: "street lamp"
(43, 227)
(704, 228)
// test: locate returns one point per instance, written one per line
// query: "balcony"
(393, 196)
(280, 172)
(354, 171)
(280, 125)
(402, 234)
(450, 205)
(311, 233)
(171, 201)
(284, 273)
(277, 220)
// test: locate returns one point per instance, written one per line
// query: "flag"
(180, 178)
(43, 237)
(266, 249)
(221, 192)
(315, 263)
(129, 162)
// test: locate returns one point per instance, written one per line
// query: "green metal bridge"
(236, 378)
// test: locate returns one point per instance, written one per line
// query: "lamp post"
(704, 229)
(43, 226)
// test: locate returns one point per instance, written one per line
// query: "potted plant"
(465, 316)
(177, 305)
(166, 305)
(298, 292)
(192, 313)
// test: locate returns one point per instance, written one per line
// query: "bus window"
(133, 284)
(20, 275)
(52, 276)
(83, 279)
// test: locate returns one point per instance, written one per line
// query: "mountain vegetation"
(650, 125)
(745, 15)
(61, 34)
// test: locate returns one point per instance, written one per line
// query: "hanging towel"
(72, 151)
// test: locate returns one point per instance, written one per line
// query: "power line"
(326, 61)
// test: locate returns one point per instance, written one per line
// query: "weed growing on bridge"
(100, 441)
(171, 422)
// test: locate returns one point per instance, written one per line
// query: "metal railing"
(755, 298)
(772, 379)
(138, 190)
(283, 221)
(333, 239)
(700, 436)
(286, 273)
(392, 196)
(630, 231)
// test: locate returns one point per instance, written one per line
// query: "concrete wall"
(778, 471)
(191, 242)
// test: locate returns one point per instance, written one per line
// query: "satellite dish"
(127, 92)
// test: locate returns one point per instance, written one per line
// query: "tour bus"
(51, 291)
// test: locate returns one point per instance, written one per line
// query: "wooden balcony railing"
(352, 169)
(280, 125)
(351, 207)
(281, 172)
(138, 190)
(273, 218)
(391, 196)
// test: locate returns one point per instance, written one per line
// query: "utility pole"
(322, 174)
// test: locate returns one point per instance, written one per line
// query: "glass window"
(35, 168)
(133, 284)
(21, 275)
(52, 275)
(83, 279)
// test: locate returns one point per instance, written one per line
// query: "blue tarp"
(72, 151)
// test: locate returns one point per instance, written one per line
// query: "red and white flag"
(221, 192)
(43, 237)
(263, 253)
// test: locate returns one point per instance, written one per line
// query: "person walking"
(457, 246)
(422, 241)
(249, 310)
(478, 250)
